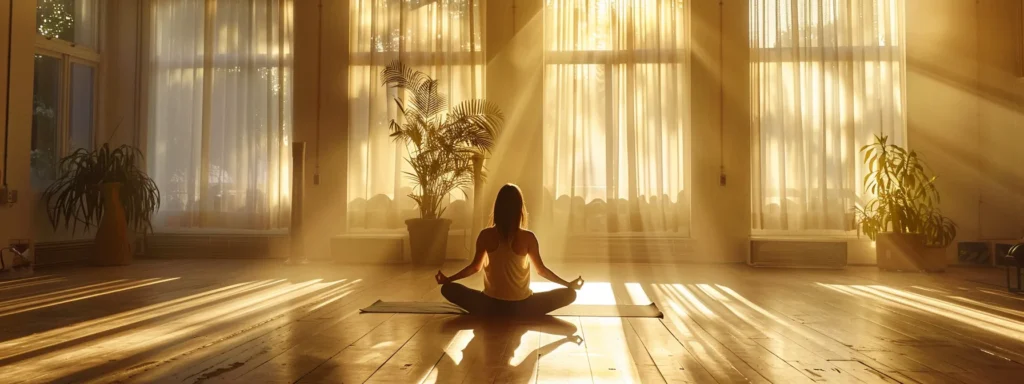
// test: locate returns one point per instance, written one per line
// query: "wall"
(325, 205)
(16, 220)
(964, 111)
(1000, 100)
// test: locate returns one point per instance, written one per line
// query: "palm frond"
(398, 75)
(442, 144)
(76, 196)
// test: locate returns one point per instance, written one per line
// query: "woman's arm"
(543, 271)
(473, 267)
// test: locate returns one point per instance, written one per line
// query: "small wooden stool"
(1014, 261)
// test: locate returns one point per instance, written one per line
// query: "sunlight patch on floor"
(899, 298)
(636, 293)
(528, 344)
(989, 306)
(82, 295)
(458, 344)
(193, 318)
(592, 293)
(29, 282)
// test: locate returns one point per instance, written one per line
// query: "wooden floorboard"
(258, 321)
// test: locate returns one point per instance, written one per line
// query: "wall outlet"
(21, 245)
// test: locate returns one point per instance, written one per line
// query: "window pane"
(82, 92)
(76, 21)
(45, 119)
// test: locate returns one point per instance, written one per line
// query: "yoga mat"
(433, 307)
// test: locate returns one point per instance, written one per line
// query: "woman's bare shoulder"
(487, 236)
(527, 235)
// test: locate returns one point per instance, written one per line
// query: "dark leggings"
(477, 303)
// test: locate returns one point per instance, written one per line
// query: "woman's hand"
(441, 278)
(576, 284)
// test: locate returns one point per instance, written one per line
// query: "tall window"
(220, 120)
(826, 76)
(440, 38)
(616, 112)
(64, 95)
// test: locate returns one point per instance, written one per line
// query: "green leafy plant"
(76, 197)
(443, 143)
(905, 197)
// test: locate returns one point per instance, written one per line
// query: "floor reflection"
(489, 349)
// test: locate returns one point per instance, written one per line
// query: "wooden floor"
(211, 321)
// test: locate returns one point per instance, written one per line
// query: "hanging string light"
(54, 18)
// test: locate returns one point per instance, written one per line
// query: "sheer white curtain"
(616, 109)
(220, 121)
(826, 76)
(440, 38)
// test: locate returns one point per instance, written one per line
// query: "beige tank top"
(506, 274)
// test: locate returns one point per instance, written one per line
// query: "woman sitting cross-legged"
(509, 251)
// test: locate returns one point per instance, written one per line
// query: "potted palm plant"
(444, 143)
(903, 216)
(103, 187)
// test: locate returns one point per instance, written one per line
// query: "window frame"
(70, 54)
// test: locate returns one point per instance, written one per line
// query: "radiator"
(624, 249)
(63, 252)
(216, 246)
(798, 254)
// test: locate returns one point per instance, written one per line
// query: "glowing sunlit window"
(220, 112)
(825, 78)
(616, 110)
(443, 39)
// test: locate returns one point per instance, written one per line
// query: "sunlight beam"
(36, 341)
(692, 299)
(933, 290)
(897, 301)
(989, 306)
(140, 285)
(19, 281)
(32, 283)
(637, 295)
(217, 323)
(64, 293)
(970, 312)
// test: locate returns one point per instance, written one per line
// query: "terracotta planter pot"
(428, 240)
(907, 252)
(111, 245)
